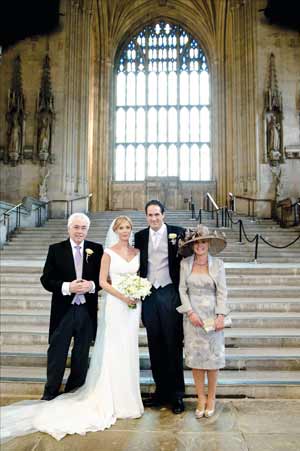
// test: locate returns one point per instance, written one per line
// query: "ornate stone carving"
(45, 117)
(273, 118)
(43, 188)
(15, 117)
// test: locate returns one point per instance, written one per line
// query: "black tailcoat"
(59, 268)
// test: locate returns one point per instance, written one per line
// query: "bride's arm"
(104, 272)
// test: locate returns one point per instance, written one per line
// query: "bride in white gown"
(112, 389)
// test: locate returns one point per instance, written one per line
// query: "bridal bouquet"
(134, 286)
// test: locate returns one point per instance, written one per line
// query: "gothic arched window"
(162, 107)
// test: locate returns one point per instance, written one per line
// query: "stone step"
(239, 319)
(15, 280)
(238, 359)
(28, 383)
(234, 337)
(242, 304)
(233, 291)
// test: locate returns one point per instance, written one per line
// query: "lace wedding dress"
(111, 390)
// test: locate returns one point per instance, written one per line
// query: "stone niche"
(172, 192)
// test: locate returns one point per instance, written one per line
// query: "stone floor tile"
(273, 442)
(267, 416)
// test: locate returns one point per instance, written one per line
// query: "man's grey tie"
(155, 240)
(78, 298)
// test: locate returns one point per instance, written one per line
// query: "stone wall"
(285, 45)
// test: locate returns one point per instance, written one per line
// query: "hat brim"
(216, 245)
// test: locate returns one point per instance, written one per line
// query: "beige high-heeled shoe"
(209, 412)
(199, 413)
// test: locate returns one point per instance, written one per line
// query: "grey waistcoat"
(158, 264)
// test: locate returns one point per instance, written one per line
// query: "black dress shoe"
(153, 401)
(47, 397)
(177, 406)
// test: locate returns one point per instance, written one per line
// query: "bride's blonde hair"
(119, 220)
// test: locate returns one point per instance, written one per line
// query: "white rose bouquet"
(134, 286)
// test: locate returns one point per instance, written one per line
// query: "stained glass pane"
(184, 124)
(140, 162)
(195, 162)
(120, 125)
(152, 161)
(204, 124)
(172, 125)
(130, 163)
(130, 89)
(172, 161)
(130, 125)
(121, 83)
(141, 89)
(162, 125)
(162, 161)
(141, 128)
(205, 163)
(152, 125)
(120, 163)
(184, 162)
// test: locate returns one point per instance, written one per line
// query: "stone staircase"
(262, 347)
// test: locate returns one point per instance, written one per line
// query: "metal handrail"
(213, 202)
(251, 202)
(18, 210)
(69, 202)
(216, 209)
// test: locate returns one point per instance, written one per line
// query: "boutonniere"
(88, 253)
(172, 237)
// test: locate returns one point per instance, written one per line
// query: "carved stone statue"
(44, 137)
(43, 188)
(14, 139)
(15, 117)
(45, 117)
(273, 134)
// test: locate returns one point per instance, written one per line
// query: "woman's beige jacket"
(216, 271)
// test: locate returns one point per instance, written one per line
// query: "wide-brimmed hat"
(217, 240)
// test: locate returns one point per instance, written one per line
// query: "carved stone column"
(74, 153)
(241, 95)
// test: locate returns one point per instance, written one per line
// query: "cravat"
(155, 239)
(78, 298)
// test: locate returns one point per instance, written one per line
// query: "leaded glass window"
(163, 110)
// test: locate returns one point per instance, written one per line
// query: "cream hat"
(217, 240)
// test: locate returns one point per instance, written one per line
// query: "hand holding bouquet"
(135, 287)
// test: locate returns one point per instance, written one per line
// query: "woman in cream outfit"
(203, 296)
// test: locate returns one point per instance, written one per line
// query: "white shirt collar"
(73, 244)
(159, 232)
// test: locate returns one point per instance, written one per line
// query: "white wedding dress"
(112, 388)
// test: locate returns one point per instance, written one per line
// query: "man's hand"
(80, 286)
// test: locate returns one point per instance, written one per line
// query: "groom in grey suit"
(159, 262)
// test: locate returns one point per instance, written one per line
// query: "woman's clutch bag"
(209, 323)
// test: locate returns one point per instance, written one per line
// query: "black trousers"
(76, 323)
(165, 340)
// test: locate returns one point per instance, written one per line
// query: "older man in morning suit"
(159, 262)
(71, 274)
